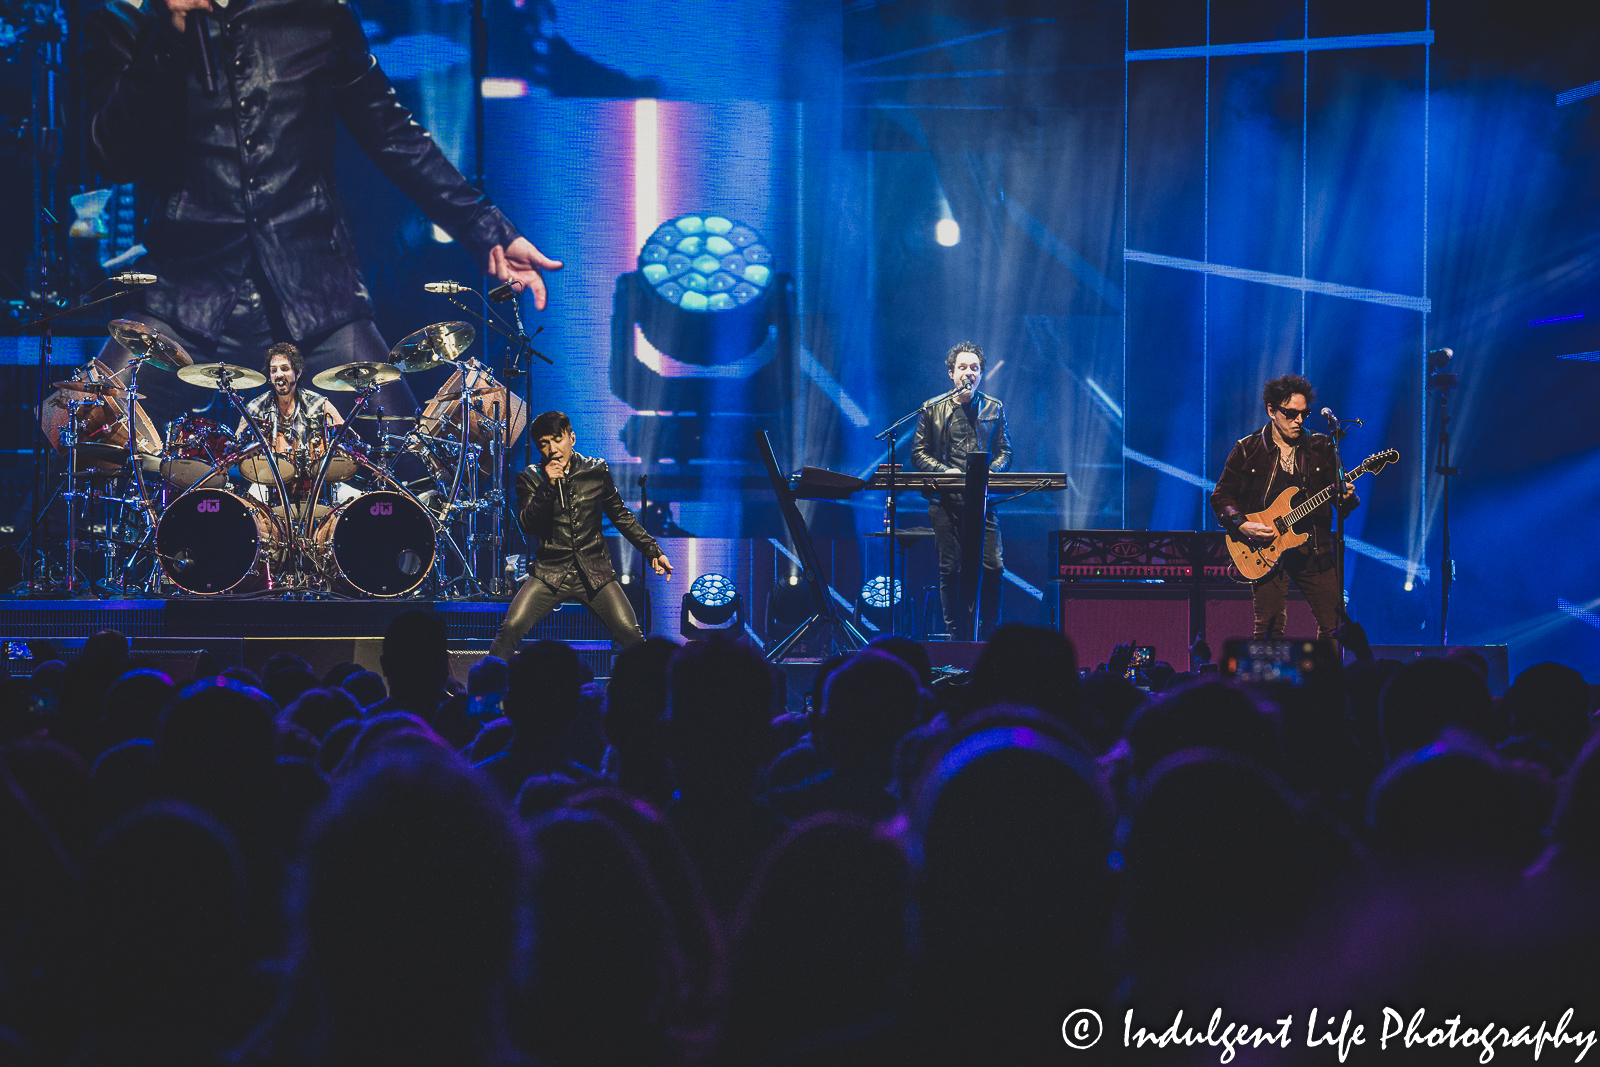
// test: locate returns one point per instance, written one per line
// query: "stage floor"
(245, 633)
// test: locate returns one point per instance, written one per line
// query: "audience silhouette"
(278, 870)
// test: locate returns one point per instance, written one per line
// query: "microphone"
(561, 491)
(501, 293)
(200, 28)
(1328, 414)
(129, 277)
(443, 287)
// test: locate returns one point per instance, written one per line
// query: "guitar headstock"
(1379, 460)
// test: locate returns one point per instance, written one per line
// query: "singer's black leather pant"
(946, 517)
(253, 326)
(538, 598)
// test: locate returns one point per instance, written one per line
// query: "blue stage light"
(712, 591)
(711, 605)
(875, 594)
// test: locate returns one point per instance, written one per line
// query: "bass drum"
(212, 541)
(379, 544)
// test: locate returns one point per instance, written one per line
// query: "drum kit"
(210, 512)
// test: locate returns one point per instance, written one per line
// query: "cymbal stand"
(225, 383)
(41, 454)
(131, 424)
(69, 438)
(497, 512)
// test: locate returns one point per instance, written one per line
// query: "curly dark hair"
(1282, 388)
(284, 348)
(964, 346)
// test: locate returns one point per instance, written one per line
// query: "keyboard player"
(961, 421)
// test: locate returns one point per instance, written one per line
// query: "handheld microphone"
(129, 277)
(200, 28)
(501, 293)
(443, 287)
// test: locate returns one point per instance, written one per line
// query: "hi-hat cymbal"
(212, 375)
(149, 344)
(103, 387)
(432, 345)
(353, 376)
(387, 418)
(455, 394)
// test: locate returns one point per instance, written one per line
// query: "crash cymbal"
(432, 345)
(211, 375)
(387, 418)
(352, 376)
(149, 344)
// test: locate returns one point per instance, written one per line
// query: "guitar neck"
(1313, 503)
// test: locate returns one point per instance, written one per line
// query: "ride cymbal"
(353, 376)
(212, 376)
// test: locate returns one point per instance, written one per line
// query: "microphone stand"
(891, 436)
(1336, 432)
(42, 446)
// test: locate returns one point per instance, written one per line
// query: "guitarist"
(1283, 454)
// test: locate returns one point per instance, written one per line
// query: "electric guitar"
(1256, 557)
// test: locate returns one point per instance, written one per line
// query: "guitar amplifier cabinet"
(1099, 616)
(1229, 612)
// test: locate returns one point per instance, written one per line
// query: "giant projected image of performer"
(963, 421)
(560, 501)
(1283, 454)
(245, 229)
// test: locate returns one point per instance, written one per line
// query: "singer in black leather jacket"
(245, 228)
(963, 420)
(573, 561)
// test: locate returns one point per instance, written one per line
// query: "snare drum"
(194, 446)
(211, 541)
(379, 544)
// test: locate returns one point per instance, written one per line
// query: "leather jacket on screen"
(936, 431)
(247, 171)
(572, 535)
(1247, 483)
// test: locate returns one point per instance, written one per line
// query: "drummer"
(291, 417)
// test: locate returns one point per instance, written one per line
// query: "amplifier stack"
(1153, 587)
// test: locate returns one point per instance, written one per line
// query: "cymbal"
(150, 344)
(211, 375)
(100, 388)
(432, 345)
(387, 418)
(455, 394)
(352, 376)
